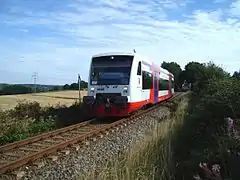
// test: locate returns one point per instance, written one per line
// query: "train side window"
(147, 80)
(139, 70)
(164, 84)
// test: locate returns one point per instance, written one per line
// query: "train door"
(155, 87)
(170, 86)
(138, 93)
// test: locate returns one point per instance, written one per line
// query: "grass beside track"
(39, 113)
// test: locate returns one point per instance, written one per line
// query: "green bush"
(203, 137)
(25, 120)
(38, 127)
(27, 110)
(26, 128)
(221, 98)
(30, 119)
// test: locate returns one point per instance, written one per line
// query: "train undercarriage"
(108, 104)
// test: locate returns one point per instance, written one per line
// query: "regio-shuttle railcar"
(121, 83)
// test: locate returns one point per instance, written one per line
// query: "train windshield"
(111, 70)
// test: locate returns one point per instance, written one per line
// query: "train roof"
(144, 58)
(113, 54)
(166, 71)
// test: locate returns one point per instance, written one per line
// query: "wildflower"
(230, 126)
(214, 173)
(216, 168)
(206, 171)
(197, 177)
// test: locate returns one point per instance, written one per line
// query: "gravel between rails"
(96, 154)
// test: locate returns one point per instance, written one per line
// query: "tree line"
(10, 89)
(192, 74)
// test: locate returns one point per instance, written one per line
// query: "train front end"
(108, 85)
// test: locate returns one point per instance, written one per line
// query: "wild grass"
(13, 128)
(30, 119)
(152, 157)
(19, 130)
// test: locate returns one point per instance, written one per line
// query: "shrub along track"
(17, 154)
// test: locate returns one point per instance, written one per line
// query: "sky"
(56, 39)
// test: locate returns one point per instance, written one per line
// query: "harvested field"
(47, 98)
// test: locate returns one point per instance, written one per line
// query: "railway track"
(17, 154)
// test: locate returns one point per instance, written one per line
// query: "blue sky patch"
(57, 38)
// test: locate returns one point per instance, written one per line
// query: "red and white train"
(121, 83)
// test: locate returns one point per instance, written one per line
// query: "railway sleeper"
(51, 141)
(17, 155)
(79, 133)
(28, 149)
(41, 145)
(62, 137)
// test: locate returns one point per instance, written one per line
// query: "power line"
(35, 76)
(55, 76)
(79, 87)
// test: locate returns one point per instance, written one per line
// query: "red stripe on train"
(131, 107)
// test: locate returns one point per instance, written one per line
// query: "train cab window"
(139, 70)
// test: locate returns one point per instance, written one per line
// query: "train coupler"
(108, 108)
(88, 100)
(121, 101)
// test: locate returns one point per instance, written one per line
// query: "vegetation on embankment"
(204, 137)
(30, 119)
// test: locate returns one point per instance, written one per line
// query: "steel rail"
(41, 136)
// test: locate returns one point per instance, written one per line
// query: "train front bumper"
(89, 100)
(107, 101)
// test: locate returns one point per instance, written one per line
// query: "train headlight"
(125, 89)
(92, 89)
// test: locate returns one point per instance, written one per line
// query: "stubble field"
(47, 98)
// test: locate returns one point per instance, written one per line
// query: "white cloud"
(87, 28)
(220, 1)
(235, 8)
